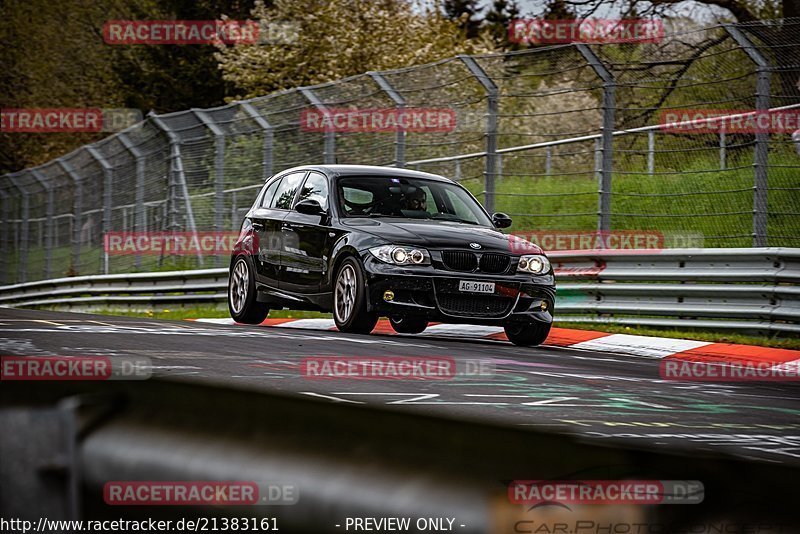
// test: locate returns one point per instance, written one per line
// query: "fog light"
(388, 295)
(543, 306)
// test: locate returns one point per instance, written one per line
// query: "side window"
(269, 193)
(284, 195)
(315, 188)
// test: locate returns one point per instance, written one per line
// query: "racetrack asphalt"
(597, 396)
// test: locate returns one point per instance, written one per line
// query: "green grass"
(699, 335)
(688, 197)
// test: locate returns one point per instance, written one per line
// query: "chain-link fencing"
(566, 139)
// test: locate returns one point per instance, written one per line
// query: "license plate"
(475, 287)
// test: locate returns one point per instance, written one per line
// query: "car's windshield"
(411, 198)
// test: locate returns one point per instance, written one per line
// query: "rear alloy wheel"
(527, 334)
(242, 303)
(408, 325)
(350, 300)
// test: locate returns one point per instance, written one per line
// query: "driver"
(417, 200)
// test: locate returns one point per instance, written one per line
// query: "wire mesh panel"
(547, 94)
(567, 139)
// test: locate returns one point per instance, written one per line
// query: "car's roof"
(369, 170)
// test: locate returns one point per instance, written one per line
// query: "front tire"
(527, 334)
(408, 325)
(350, 300)
(242, 303)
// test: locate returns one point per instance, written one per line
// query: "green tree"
(340, 38)
(466, 14)
(498, 20)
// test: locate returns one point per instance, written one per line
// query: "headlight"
(397, 255)
(534, 264)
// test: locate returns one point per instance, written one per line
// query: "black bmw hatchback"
(364, 242)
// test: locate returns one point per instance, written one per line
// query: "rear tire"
(527, 334)
(350, 299)
(408, 325)
(242, 303)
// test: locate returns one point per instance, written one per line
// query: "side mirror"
(309, 207)
(501, 220)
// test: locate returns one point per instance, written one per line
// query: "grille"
(475, 306)
(459, 260)
(494, 263)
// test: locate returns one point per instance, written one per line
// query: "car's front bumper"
(434, 294)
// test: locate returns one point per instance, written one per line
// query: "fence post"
(234, 210)
(761, 157)
(138, 215)
(548, 160)
(651, 152)
(400, 104)
(177, 177)
(492, 94)
(329, 150)
(108, 184)
(22, 258)
(77, 213)
(4, 209)
(219, 172)
(499, 167)
(264, 124)
(607, 138)
(50, 210)
(723, 157)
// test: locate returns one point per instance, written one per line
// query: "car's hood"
(442, 235)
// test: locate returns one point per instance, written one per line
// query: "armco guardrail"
(751, 289)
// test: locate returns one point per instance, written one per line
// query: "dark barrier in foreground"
(61, 444)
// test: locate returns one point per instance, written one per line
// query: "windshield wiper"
(458, 220)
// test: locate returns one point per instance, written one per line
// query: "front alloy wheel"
(242, 303)
(350, 300)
